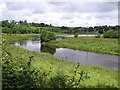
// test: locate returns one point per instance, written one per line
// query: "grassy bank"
(16, 37)
(99, 45)
(54, 72)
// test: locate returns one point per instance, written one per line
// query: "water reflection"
(48, 49)
(83, 57)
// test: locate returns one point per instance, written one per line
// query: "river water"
(83, 57)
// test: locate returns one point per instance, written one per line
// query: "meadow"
(92, 44)
(27, 69)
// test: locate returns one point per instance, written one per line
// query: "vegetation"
(23, 27)
(111, 34)
(27, 69)
(47, 36)
(16, 37)
(99, 45)
(98, 36)
(76, 35)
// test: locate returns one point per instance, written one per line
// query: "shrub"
(47, 36)
(23, 75)
(111, 34)
(76, 35)
(20, 75)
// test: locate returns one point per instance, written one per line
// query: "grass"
(98, 45)
(16, 37)
(98, 76)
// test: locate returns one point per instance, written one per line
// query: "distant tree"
(5, 23)
(90, 29)
(64, 27)
(6, 30)
(37, 30)
(100, 31)
(42, 24)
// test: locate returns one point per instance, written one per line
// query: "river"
(83, 57)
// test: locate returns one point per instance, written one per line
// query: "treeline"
(23, 27)
(20, 27)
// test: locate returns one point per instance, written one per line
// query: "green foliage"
(6, 30)
(17, 73)
(17, 76)
(23, 29)
(99, 45)
(47, 36)
(63, 29)
(111, 34)
(37, 31)
(45, 71)
(5, 23)
(76, 35)
(100, 31)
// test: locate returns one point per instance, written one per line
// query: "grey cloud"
(38, 8)
(111, 15)
(7, 16)
(83, 7)
(107, 6)
(39, 11)
(16, 5)
(94, 11)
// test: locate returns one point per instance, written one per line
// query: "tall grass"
(28, 69)
(99, 45)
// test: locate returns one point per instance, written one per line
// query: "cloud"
(16, 5)
(91, 7)
(67, 16)
(39, 7)
(61, 13)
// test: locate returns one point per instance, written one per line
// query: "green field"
(54, 72)
(99, 45)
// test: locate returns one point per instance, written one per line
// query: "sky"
(71, 13)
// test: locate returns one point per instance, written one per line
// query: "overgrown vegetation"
(99, 45)
(27, 69)
(16, 37)
(76, 35)
(47, 36)
(111, 34)
(23, 27)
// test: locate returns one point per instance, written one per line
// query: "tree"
(6, 30)
(5, 23)
(47, 36)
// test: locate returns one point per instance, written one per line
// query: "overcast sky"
(65, 13)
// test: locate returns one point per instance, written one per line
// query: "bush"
(21, 74)
(76, 35)
(47, 36)
(6, 30)
(16, 75)
(111, 34)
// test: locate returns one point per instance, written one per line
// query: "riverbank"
(62, 71)
(16, 37)
(92, 44)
